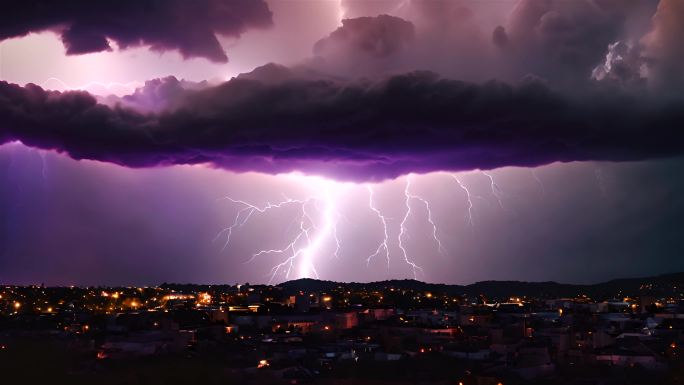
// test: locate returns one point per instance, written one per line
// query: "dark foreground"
(399, 332)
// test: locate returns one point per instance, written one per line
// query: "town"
(309, 331)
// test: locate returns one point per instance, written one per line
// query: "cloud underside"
(356, 130)
(191, 28)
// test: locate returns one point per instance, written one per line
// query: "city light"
(263, 364)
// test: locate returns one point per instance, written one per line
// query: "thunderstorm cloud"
(361, 130)
(190, 27)
(417, 86)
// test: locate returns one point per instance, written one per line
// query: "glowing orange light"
(204, 298)
(17, 305)
(263, 364)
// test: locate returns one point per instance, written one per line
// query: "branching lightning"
(468, 197)
(316, 229)
(539, 182)
(307, 240)
(383, 246)
(409, 196)
(403, 233)
(496, 190)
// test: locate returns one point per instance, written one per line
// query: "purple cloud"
(359, 130)
(88, 26)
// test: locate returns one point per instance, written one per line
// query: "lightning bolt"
(539, 182)
(383, 245)
(409, 195)
(305, 244)
(468, 197)
(403, 231)
(496, 190)
(249, 208)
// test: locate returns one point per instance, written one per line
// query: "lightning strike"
(496, 190)
(383, 246)
(316, 225)
(403, 231)
(407, 192)
(539, 182)
(468, 197)
(305, 245)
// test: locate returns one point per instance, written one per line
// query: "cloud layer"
(360, 130)
(364, 107)
(191, 28)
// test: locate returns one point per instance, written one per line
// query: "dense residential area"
(308, 331)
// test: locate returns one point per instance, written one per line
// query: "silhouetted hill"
(661, 285)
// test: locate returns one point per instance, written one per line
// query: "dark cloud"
(87, 26)
(560, 41)
(365, 44)
(564, 40)
(362, 130)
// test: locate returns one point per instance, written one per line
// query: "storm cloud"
(381, 96)
(191, 28)
(359, 130)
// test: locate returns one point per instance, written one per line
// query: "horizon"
(352, 282)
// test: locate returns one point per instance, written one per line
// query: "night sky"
(225, 141)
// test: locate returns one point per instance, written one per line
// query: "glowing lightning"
(402, 231)
(304, 245)
(383, 245)
(429, 214)
(539, 182)
(496, 190)
(468, 197)
(250, 209)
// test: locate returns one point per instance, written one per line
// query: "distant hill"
(661, 285)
